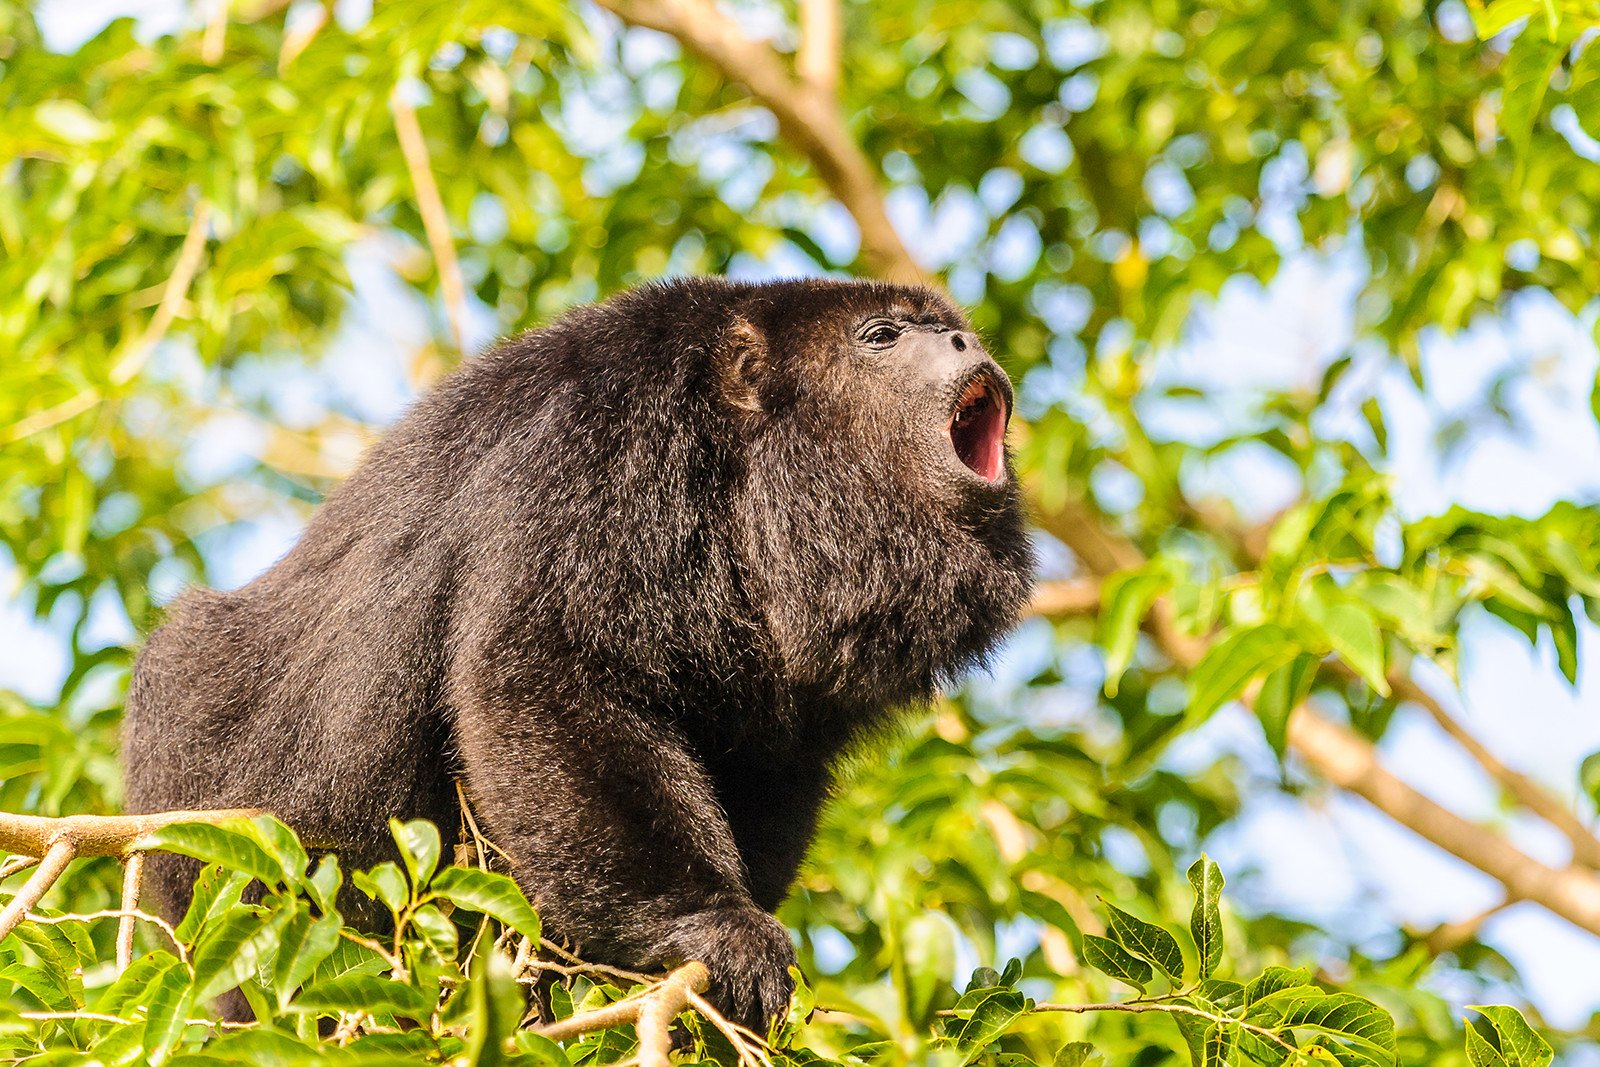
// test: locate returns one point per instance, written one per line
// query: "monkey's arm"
(617, 836)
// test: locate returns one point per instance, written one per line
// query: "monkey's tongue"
(978, 432)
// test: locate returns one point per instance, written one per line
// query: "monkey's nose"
(958, 342)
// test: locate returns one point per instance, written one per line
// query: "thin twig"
(1447, 937)
(54, 415)
(1138, 1007)
(479, 838)
(651, 1010)
(129, 914)
(16, 865)
(1527, 792)
(751, 1046)
(132, 869)
(51, 865)
(390, 958)
(435, 223)
(172, 297)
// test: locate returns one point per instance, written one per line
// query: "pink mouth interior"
(978, 430)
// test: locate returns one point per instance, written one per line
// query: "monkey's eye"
(881, 334)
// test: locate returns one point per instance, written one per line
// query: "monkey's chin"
(977, 429)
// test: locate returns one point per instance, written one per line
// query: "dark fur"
(636, 578)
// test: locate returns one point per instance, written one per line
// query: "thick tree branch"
(98, 835)
(1350, 761)
(808, 118)
(1527, 792)
(57, 842)
(821, 42)
(1068, 597)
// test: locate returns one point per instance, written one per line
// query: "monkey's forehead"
(818, 299)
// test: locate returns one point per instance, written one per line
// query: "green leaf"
(927, 956)
(1078, 1054)
(170, 999)
(1349, 627)
(1282, 692)
(1108, 957)
(1218, 1044)
(1480, 1053)
(1518, 1043)
(364, 992)
(1277, 980)
(279, 842)
(492, 894)
(385, 884)
(236, 951)
(419, 849)
(49, 987)
(223, 843)
(306, 943)
(133, 986)
(436, 930)
(216, 891)
(495, 1005)
(1529, 65)
(1230, 664)
(982, 1016)
(1365, 1030)
(323, 884)
(71, 122)
(1492, 19)
(1205, 924)
(536, 1051)
(1124, 601)
(1145, 940)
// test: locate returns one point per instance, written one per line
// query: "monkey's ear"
(742, 366)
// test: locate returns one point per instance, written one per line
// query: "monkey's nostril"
(959, 341)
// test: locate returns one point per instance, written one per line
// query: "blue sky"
(1337, 862)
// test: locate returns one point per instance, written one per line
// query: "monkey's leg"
(618, 838)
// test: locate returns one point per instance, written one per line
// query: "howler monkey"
(635, 579)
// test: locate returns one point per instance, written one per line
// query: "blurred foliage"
(1087, 178)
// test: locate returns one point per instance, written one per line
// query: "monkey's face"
(875, 387)
(881, 515)
(953, 401)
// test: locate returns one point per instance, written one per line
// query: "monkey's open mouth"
(978, 428)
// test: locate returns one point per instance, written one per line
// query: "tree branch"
(1350, 761)
(1347, 760)
(51, 864)
(821, 45)
(435, 223)
(1527, 792)
(57, 842)
(1067, 597)
(132, 870)
(98, 835)
(651, 1011)
(172, 296)
(808, 119)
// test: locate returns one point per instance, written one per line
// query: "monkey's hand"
(748, 953)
